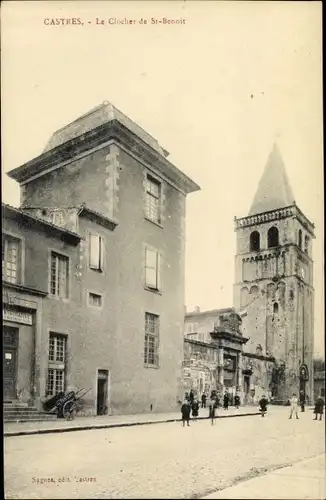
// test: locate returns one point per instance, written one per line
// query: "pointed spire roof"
(274, 190)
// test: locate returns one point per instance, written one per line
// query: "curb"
(110, 426)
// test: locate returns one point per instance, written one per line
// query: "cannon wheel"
(69, 410)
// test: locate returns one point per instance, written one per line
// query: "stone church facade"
(273, 292)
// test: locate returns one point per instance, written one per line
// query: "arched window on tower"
(272, 237)
(254, 241)
(300, 239)
(306, 244)
(275, 308)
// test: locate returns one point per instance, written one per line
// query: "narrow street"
(158, 461)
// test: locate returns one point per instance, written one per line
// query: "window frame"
(20, 261)
(101, 257)
(154, 337)
(253, 242)
(271, 238)
(157, 287)
(98, 294)
(68, 274)
(57, 366)
(152, 180)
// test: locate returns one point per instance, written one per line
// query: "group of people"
(294, 404)
(190, 405)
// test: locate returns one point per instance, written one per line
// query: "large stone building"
(273, 292)
(100, 244)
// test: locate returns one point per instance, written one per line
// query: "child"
(294, 406)
(185, 412)
(319, 408)
(263, 405)
(195, 409)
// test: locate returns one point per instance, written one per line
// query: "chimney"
(197, 309)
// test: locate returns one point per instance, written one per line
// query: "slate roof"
(274, 190)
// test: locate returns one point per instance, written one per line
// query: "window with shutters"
(57, 364)
(59, 276)
(152, 269)
(11, 259)
(151, 355)
(153, 199)
(96, 252)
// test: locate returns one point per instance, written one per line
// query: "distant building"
(273, 296)
(100, 246)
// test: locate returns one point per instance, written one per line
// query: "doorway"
(102, 392)
(10, 347)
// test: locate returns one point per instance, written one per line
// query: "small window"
(94, 299)
(11, 259)
(300, 239)
(272, 237)
(254, 241)
(96, 252)
(306, 244)
(152, 269)
(151, 357)
(275, 308)
(57, 363)
(59, 280)
(153, 199)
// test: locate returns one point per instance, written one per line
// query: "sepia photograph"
(162, 250)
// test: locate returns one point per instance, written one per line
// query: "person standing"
(319, 408)
(294, 406)
(203, 400)
(302, 399)
(195, 409)
(191, 396)
(185, 412)
(226, 401)
(212, 410)
(237, 401)
(263, 405)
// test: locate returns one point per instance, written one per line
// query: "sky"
(216, 90)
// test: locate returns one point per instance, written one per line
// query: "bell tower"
(273, 289)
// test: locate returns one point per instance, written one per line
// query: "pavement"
(169, 461)
(303, 480)
(106, 421)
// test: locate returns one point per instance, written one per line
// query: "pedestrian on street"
(302, 398)
(185, 412)
(191, 396)
(319, 408)
(195, 409)
(294, 406)
(217, 401)
(212, 410)
(237, 401)
(226, 401)
(203, 400)
(263, 405)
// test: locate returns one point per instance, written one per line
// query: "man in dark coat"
(191, 396)
(226, 401)
(185, 412)
(263, 405)
(237, 401)
(195, 408)
(302, 399)
(203, 400)
(319, 408)
(212, 410)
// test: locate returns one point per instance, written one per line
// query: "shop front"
(21, 339)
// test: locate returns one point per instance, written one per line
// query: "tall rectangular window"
(96, 252)
(152, 269)
(59, 279)
(11, 259)
(57, 364)
(151, 356)
(153, 199)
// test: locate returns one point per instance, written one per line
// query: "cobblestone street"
(157, 461)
